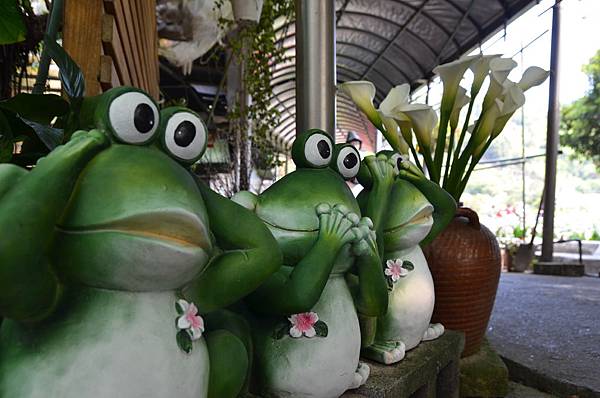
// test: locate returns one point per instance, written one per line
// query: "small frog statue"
(415, 213)
(305, 325)
(110, 253)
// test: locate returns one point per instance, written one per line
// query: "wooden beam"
(82, 39)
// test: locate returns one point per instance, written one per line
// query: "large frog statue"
(110, 253)
(416, 212)
(307, 335)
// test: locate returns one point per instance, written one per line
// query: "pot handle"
(470, 215)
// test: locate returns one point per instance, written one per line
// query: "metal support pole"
(552, 139)
(315, 65)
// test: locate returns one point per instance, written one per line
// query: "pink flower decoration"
(190, 320)
(394, 269)
(303, 324)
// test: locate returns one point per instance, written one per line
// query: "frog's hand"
(250, 255)
(29, 212)
(296, 290)
(443, 203)
(371, 293)
(374, 206)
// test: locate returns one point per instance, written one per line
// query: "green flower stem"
(430, 165)
(474, 161)
(440, 147)
(415, 155)
(54, 20)
(461, 138)
(448, 156)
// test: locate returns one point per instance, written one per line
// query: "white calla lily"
(362, 93)
(533, 76)
(485, 125)
(480, 68)
(423, 120)
(396, 97)
(452, 73)
(499, 70)
(512, 100)
(462, 99)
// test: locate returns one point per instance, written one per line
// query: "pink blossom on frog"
(394, 269)
(303, 324)
(190, 321)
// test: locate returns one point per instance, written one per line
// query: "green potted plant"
(465, 258)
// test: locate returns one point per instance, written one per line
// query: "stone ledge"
(429, 370)
(559, 268)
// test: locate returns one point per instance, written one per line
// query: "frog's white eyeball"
(397, 160)
(133, 117)
(348, 162)
(185, 136)
(318, 150)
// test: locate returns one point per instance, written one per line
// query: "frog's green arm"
(370, 295)
(29, 212)
(443, 203)
(250, 255)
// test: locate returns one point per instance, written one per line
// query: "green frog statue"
(304, 317)
(116, 264)
(415, 213)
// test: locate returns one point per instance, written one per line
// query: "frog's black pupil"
(143, 118)
(324, 149)
(350, 160)
(185, 133)
(399, 163)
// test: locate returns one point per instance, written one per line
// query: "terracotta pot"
(465, 263)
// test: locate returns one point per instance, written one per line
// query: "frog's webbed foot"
(434, 331)
(337, 223)
(386, 352)
(364, 237)
(361, 375)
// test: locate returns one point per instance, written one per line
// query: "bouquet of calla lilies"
(450, 156)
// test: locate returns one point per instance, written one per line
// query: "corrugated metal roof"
(390, 42)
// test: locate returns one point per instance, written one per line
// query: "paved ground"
(550, 324)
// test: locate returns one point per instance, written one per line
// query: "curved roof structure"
(390, 42)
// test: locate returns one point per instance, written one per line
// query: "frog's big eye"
(185, 136)
(318, 150)
(133, 117)
(347, 161)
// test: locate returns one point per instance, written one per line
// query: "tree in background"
(580, 122)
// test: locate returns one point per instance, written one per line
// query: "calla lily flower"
(486, 125)
(405, 130)
(513, 99)
(480, 68)
(362, 93)
(452, 73)
(462, 99)
(423, 119)
(533, 76)
(499, 71)
(396, 98)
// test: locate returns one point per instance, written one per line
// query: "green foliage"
(256, 48)
(580, 123)
(71, 76)
(595, 235)
(12, 27)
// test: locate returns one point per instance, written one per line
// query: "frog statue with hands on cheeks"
(110, 251)
(415, 213)
(304, 321)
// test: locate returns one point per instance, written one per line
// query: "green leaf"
(184, 342)
(71, 76)
(390, 284)
(408, 265)
(280, 331)
(12, 27)
(321, 329)
(50, 136)
(41, 108)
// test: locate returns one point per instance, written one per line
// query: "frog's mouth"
(422, 218)
(273, 225)
(177, 227)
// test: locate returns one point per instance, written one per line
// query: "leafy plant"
(580, 121)
(256, 49)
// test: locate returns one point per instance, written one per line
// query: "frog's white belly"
(108, 344)
(411, 302)
(318, 366)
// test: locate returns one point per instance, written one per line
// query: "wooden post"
(82, 39)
